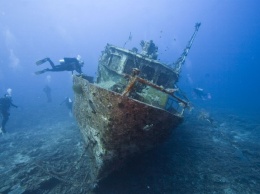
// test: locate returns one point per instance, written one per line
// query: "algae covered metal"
(133, 106)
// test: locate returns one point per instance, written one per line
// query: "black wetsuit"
(5, 104)
(68, 102)
(200, 93)
(47, 91)
(67, 64)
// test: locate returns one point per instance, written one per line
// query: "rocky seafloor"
(46, 154)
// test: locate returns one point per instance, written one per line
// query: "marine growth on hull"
(133, 106)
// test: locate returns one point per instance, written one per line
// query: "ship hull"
(116, 127)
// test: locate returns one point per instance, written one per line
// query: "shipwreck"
(133, 105)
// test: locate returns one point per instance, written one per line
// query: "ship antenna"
(128, 40)
(181, 60)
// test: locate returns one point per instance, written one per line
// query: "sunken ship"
(133, 105)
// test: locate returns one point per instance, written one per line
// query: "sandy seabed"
(48, 156)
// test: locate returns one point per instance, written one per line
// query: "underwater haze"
(224, 60)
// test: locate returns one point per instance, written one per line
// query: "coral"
(77, 88)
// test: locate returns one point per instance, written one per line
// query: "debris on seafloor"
(205, 116)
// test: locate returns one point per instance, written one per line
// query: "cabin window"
(115, 62)
(129, 66)
(147, 73)
(163, 79)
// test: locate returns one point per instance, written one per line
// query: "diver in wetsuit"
(199, 92)
(69, 103)
(66, 64)
(5, 104)
(47, 91)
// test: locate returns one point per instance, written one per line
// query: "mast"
(181, 60)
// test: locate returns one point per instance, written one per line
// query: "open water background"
(199, 157)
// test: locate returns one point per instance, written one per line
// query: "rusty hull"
(116, 127)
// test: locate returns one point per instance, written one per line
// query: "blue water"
(224, 61)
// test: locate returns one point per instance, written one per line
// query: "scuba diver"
(199, 92)
(69, 103)
(5, 104)
(47, 91)
(66, 64)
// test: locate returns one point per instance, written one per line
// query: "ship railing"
(179, 104)
(182, 104)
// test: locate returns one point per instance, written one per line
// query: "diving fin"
(40, 72)
(42, 61)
